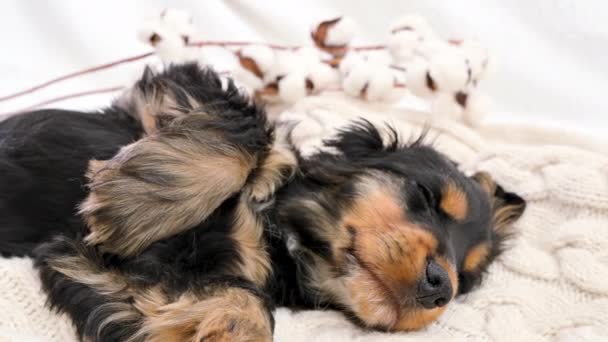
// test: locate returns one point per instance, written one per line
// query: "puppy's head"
(391, 233)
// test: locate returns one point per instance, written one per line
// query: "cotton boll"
(357, 79)
(341, 33)
(171, 27)
(350, 61)
(171, 49)
(247, 78)
(148, 29)
(416, 78)
(263, 56)
(380, 84)
(477, 106)
(445, 105)
(432, 47)
(175, 16)
(292, 87)
(449, 71)
(414, 23)
(323, 76)
(307, 56)
(285, 63)
(378, 58)
(402, 45)
(477, 56)
(178, 20)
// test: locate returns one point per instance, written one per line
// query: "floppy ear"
(506, 206)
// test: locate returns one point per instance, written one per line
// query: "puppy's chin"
(375, 308)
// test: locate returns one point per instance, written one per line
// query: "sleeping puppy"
(195, 217)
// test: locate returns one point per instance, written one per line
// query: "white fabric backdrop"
(552, 53)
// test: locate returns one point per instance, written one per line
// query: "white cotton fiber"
(247, 78)
(432, 47)
(178, 20)
(323, 76)
(147, 29)
(380, 84)
(292, 87)
(477, 56)
(286, 62)
(416, 78)
(350, 61)
(356, 79)
(402, 45)
(415, 23)
(263, 56)
(449, 71)
(341, 33)
(170, 48)
(306, 57)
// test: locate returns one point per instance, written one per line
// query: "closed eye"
(428, 195)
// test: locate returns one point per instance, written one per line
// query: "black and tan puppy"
(194, 219)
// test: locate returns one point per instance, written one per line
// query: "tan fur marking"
(504, 214)
(230, 314)
(417, 319)
(392, 255)
(161, 185)
(148, 118)
(476, 257)
(454, 202)
(370, 301)
(149, 301)
(271, 173)
(83, 271)
(106, 283)
(158, 102)
(247, 232)
(386, 240)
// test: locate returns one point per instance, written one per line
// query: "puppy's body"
(42, 158)
(198, 229)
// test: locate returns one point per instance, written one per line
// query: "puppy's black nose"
(435, 289)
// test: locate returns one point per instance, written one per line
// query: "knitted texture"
(551, 285)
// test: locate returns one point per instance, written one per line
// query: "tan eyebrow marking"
(476, 257)
(454, 202)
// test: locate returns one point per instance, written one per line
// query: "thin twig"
(75, 74)
(241, 43)
(147, 54)
(275, 46)
(67, 97)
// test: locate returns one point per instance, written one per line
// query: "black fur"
(42, 158)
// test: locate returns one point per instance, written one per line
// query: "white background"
(553, 54)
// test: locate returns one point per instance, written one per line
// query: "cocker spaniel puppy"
(181, 214)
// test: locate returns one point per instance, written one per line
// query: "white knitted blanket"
(552, 285)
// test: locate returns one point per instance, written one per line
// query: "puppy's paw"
(278, 167)
(227, 314)
(236, 329)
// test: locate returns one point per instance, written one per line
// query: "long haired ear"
(506, 206)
